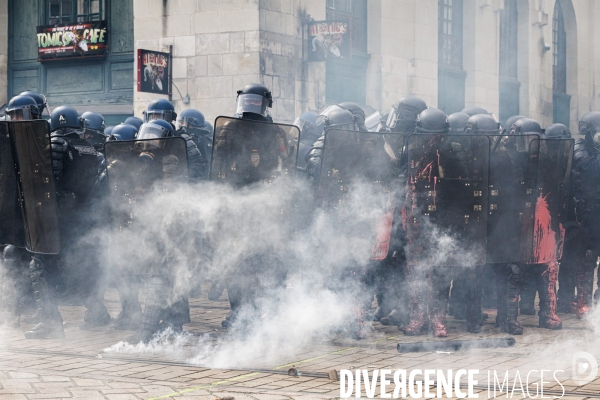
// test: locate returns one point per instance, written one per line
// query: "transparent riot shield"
(362, 162)
(554, 171)
(447, 199)
(247, 152)
(30, 142)
(12, 228)
(512, 197)
(139, 167)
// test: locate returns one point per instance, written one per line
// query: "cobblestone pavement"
(78, 366)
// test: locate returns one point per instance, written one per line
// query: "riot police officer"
(161, 109)
(165, 307)
(334, 117)
(192, 123)
(508, 162)
(309, 133)
(93, 129)
(75, 164)
(15, 283)
(429, 286)
(40, 100)
(255, 151)
(586, 171)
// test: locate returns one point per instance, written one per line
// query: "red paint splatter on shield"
(544, 238)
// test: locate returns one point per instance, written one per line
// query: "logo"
(62, 119)
(585, 368)
(255, 158)
(85, 150)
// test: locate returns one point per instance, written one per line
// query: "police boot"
(95, 317)
(511, 298)
(176, 316)
(458, 298)
(437, 317)
(357, 328)
(474, 315)
(528, 291)
(51, 325)
(547, 290)
(130, 317)
(156, 300)
(12, 286)
(418, 319)
(585, 284)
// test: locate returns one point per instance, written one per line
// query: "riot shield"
(139, 167)
(554, 171)
(12, 227)
(30, 141)
(447, 199)
(362, 161)
(247, 152)
(512, 197)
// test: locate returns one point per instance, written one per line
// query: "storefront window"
(62, 12)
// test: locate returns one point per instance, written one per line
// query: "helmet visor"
(252, 103)
(151, 115)
(19, 114)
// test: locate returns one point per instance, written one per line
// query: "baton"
(455, 345)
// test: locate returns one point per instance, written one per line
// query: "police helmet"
(254, 98)
(156, 129)
(482, 124)
(474, 111)
(93, 121)
(589, 126)
(160, 109)
(123, 132)
(557, 131)
(432, 120)
(191, 118)
(509, 123)
(523, 126)
(22, 108)
(135, 121)
(403, 116)
(108, 130)
(307, 123)
(358, 112)
(457, 122)
(65, 120)
(337, 117)
(40, 99)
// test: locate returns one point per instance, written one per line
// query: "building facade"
(531, 57)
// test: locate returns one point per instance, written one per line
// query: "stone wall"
(221, 45)
(215, 49)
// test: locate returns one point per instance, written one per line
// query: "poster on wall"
(328, 39)
(153, 72)
(79, 40)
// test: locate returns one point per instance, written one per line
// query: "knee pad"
(516, 275)
(10, 252)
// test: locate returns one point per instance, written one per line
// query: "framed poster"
(154, 72)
